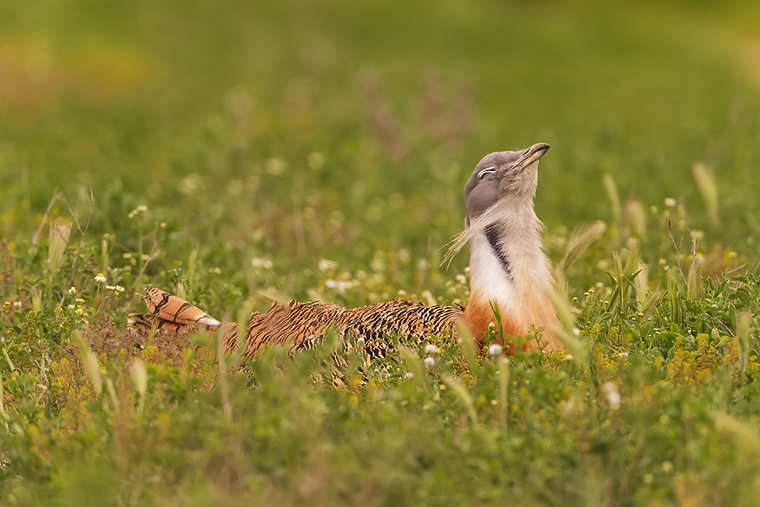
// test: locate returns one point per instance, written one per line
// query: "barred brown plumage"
(509, 271)
(302, 323)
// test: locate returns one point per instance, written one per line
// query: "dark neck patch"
(493, 240)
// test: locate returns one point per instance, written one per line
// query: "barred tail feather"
(173, 309)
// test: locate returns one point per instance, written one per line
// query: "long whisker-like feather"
(500, 212)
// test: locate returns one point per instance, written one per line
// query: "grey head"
(500, 174)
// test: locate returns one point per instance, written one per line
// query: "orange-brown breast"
(479, 314)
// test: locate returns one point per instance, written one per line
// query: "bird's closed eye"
(487, 170)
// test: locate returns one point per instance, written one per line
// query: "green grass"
(265, 137)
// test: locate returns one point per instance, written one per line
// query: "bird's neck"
(510, 271)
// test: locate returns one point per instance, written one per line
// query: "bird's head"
(503, 174)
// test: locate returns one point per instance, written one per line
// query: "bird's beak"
(533, 154)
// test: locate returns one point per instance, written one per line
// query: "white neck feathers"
(518, 284)
(509, 269)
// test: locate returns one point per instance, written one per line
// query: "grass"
(246, 151)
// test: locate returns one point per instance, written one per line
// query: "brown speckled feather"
(301, 324)
(304, 322)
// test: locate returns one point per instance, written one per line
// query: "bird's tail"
(170, 313)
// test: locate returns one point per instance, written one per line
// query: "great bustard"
(508, 268)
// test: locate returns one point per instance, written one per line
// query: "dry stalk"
(81, 241)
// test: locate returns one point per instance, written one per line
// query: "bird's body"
(509, 272)
(299, 325)
(302, 323)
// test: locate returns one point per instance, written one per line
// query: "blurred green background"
(319, 148)
(325, 128)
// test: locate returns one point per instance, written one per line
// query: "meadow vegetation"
(236, 153)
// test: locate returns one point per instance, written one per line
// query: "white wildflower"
(140, 209)
(360, 341)
(427, 296)
(623, 354)
(100, 278)
(670, 202)
(613, 395)
(79, 311)
(377, 264)
(339, 285)
(72, 290)
(461, 279)
(408, 374)
(327, 265)
(275, 166)
(261, 263)
(429, 362)
(190, 184)
(431, 349)
(495, 349)
(117, 289)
